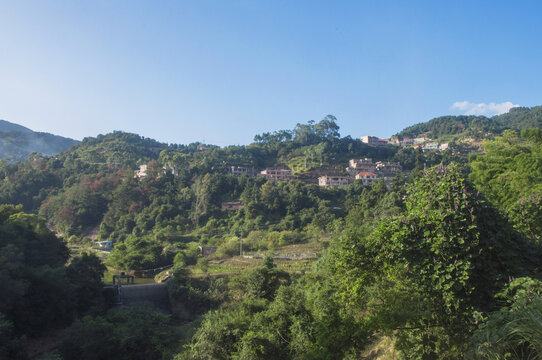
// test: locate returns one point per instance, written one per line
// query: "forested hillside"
(41, 290)
(521, 118)
(437, 259)
(8, 126)
(17, 142)
(457, 127)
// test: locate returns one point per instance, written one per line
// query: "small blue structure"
(105, 244)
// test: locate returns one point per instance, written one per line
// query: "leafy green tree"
(138, 253)
(425, 273)
(35, 295)
(11, 344)
(510, 168)
(220, 332)
(136, 332)
(265, 280)
(304, 320)
(179, 261)
(85, 273)
(27, 184)
(527, 216)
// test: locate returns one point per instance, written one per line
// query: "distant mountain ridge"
(17, 142)
(9, 126)
(476, 126)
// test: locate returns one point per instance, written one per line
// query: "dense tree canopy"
(511, 167)
(517, 119)
(136, 332)
(428, 271)
(39, 291)
(434, 268)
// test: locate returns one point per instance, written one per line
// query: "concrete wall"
(157, 294)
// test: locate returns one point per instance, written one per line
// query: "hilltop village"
(365, 169)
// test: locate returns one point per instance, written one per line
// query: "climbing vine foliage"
(427, 272)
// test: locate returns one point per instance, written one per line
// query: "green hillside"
(521, 118)
(17, 142)
(8, 126)
(457, 127)
(435, 263)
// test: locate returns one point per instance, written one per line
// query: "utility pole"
(119, 290)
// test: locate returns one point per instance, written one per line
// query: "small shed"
(105, 244)
(232, 205)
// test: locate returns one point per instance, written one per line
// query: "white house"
(332, 181)
(142, 172)
(366, 177)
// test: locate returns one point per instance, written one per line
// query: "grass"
(239, 264)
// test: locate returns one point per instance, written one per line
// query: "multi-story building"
(373, 141)
(277, 173)
(357, 165)
(332, 181)
(420, 140)
(242, 170)
(387, 168)
(431, 146)
(366, 177)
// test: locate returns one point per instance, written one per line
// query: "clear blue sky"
(223, 71)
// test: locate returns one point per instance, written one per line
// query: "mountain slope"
(17, 142)
(8, 126)
(521, 118)
(476, 126)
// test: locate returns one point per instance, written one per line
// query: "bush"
(179, 260)
(259, 240)
(515, 331)
(192, 252)
(290, 237)
(230, 247)
(137, 332)
(203, 264)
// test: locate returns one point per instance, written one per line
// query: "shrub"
(230, 247)
(203, 264)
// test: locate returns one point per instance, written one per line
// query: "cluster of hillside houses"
(358, 169)
(423, 143)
